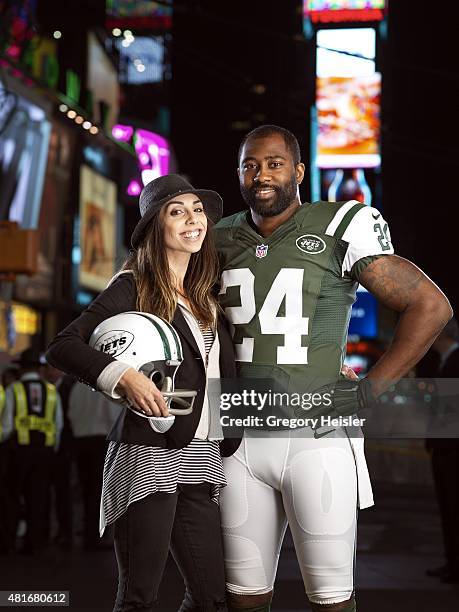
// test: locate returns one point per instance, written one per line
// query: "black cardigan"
(70, 352)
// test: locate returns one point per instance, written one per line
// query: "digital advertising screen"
(102, 80)
(335, 11)
(348, 99)
(40, 288)
(24, 139)
(143, 61)
(348, 110)
(346, 52)
(97, 229)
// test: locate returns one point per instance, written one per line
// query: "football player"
(289, 274)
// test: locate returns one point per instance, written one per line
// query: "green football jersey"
(289, 296)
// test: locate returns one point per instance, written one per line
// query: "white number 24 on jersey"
(288, 284)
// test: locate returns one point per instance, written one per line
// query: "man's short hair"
(268, 130)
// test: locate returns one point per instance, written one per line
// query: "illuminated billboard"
(142, 61)
(97, 229)
(348, 121)
(102, 81)
(348, 91)
(335, 11)
(346, 52)
(24, 138)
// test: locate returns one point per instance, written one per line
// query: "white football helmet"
(152, 346)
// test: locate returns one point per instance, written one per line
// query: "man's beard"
(282, 199)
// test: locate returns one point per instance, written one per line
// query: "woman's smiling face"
(184, 223)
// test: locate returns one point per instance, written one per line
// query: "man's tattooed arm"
(424, 311)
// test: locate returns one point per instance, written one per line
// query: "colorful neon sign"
(335, 11)
(138, 14)
(153, 154)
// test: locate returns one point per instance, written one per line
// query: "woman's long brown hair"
(156, 291)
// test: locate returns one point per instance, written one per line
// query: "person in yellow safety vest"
(31, 424)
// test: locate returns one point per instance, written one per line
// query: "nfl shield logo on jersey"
(261, 250)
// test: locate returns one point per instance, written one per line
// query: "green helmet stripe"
(177, 341)
(161, 333)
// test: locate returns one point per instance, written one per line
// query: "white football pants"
(309, 484)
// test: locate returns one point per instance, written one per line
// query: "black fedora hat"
(160, 190)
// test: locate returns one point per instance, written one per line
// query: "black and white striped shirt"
(208, 335)
(132, 471)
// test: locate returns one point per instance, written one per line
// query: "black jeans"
(189, 523)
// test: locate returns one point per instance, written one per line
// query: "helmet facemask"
(162, 373)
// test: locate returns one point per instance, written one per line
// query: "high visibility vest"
(2, 406)
(25, 422)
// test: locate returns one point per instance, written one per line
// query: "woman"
(160, 488)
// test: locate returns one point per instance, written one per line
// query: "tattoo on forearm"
(394, 281)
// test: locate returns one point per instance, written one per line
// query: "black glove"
(347, 398)
(350, 396)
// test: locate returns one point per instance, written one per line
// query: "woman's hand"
(142, 393)
(349, 373)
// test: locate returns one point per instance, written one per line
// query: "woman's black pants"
(187, 522)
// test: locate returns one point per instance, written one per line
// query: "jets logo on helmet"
(152, 346)
(114, 342)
